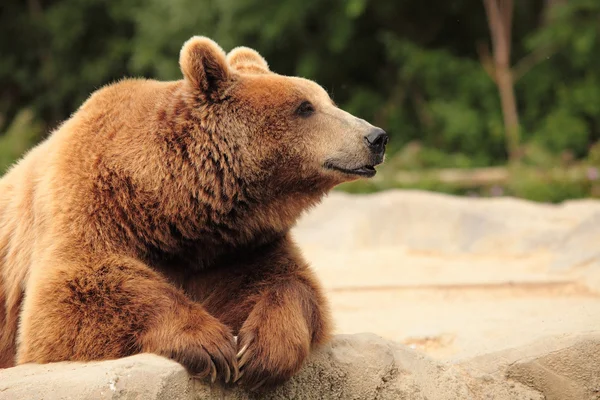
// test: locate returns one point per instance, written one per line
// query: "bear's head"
(288, 135)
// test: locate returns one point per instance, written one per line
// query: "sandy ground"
(519, 277)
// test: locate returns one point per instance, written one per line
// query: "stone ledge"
(362, 366)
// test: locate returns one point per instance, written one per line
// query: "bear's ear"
(244, 59)
(204, 64)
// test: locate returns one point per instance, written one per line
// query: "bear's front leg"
(288, 318)
(116, 307)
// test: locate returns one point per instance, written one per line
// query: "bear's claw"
(213, 372)
(227, 375)
(242, 351)
(243, 355)
(243, 360)
(238, 377)
(258, 385)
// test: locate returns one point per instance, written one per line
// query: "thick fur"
(157, 219)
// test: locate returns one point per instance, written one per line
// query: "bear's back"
(114, 120)
(17, 240)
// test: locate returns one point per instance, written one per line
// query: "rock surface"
(362, 366)
(456, 277)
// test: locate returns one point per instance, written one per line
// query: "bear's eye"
(306, 109)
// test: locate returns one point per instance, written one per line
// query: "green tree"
(413, 68)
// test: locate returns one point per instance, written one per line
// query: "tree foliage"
(412, 67)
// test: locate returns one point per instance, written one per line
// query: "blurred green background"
(431, 73)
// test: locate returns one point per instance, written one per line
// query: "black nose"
(377, 139)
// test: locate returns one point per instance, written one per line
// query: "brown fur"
(157, 219)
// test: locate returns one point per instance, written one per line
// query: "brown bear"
(157, 219)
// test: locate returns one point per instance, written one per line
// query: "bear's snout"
(376, 140)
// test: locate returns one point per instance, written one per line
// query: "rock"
(559, 368)
(362, 366)
(437, 222)
(144, 376)
(352, 367)
(461, 276)
(579, 245)
(566, 373)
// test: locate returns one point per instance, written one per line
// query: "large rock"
(564, 367)
(460, 276)
(438, 222)
(144, 376)
(360, 366)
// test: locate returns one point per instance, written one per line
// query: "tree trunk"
(504, 80)
(499, 13)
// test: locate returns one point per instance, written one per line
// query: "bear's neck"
(202, 233)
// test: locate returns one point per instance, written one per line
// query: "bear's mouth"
(366, 170)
